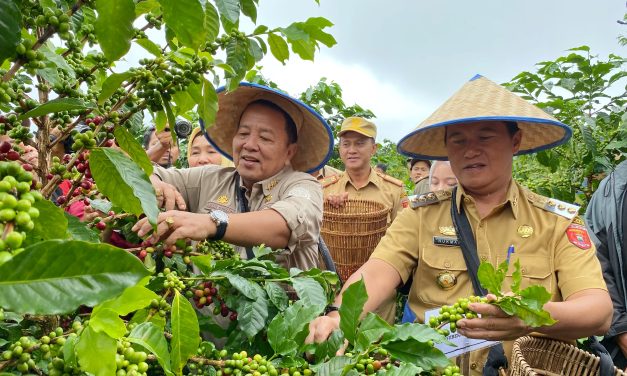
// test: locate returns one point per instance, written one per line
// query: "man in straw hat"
(267, 197)
(479, 130)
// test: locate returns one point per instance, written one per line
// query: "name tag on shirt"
(462, 344)
(445, 241)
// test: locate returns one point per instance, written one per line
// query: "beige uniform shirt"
(422, 186)
(547, 237)
(294, 195)
(380, 188)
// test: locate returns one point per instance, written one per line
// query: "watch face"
(220, 216)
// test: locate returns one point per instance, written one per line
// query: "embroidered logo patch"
(578, 235)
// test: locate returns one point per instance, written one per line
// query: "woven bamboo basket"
(542, 356)
(352, 232)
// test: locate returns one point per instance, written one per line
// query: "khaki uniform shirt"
(422, 186)
(294, 195)
(380, 188)
(539, 228)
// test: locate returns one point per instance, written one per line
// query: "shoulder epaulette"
(390, 179)
(329, 180)
(416, 201)
(561, 208)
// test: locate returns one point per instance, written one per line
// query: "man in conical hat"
(268, 197)
(479, 130)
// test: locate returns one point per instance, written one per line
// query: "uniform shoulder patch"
(390, 179)
(416, 201)
(578, 234)
(329, 180)
(561, 208)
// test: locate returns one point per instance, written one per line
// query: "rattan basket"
(352, 232)
(542, 356)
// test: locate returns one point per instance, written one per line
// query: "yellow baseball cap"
(359, 125)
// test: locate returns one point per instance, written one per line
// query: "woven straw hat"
(483, 100)
(315, 140)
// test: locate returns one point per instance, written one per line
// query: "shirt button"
(473, 365)
(480, 224)
(523, 269)
(484, 258)
(447, 264)
(466, 199)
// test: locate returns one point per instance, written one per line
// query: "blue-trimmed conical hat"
(315, 140)
(483, 100)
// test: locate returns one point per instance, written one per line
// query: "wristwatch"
(221, 219)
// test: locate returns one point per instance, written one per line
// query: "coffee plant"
(80, 293)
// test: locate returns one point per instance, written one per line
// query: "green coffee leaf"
(252, 315)
(114, 27)
(150, 336)
(185, 333)
(353, 300)
(249, 9)
(10, 21)
(208, 107)
(129, 144)
(149, 45)
(111, 84)
(131, 300)
(490, 278)
(277, 295)
(96, 352)
(57, 105)
(516, 277)
(404, 369)
(212, 22)
(249, 289)
(310, 292)
(56, 276)
(334, 367)
(108, 321)
(187, 19)
(229, 10)
(371, 330)
(123, 182)
(287, 328)
(51, 223)
(419, 332)
(329, 348)
(78, 230)
(418, 353)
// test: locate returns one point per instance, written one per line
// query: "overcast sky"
(402, 59)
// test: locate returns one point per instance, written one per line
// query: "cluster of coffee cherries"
(240, 364)
(451, 371)
(206, 294)
(161, 306)
(8, 153)
(16, 207)
(32, 59)
(130, 362)
(218, 249)
(453, 313)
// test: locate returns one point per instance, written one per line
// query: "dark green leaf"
(353, 300)
(491, 279)
(249, 289)
(149, 46)
(252, 315)
(229, 10)
(56, 60)
(329, 348)
(187, 19)
(208, 107)
(96, 352)
(255, 50)
(150, 336)
(114, 27)
(249, 8)
(418, 353)
(526, 311)
(334, 367)
(185, 333)
(278, 47)
(170, 116)
(10, 20)
(286, 326)
(51, 223)
(277, 295)
(404, 369)
(310, 292)
(212, 22)
(370, 331)
(419, 332)
(123, 182)
(112, 83)
(129, 144)
(57, 105)
(57, 276)
(78, 230)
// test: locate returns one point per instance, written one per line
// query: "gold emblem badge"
(268, 198)
(446, 280)
(272, 184)
(525, 231)
(447, 230)
(222, 199)
(577, 220)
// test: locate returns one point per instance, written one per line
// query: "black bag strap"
(496, 356)
(242, 207)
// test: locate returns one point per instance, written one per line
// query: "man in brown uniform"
(479, 130)
(361, 182)
(265, 198)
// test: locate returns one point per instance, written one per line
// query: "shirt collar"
(373, 178)
(513, 197)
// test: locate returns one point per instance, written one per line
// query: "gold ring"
(158, 192)
(169, 221)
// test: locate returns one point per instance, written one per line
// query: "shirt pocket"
(535, 270)
(437, 266)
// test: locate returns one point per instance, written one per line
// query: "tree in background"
(589, 94)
